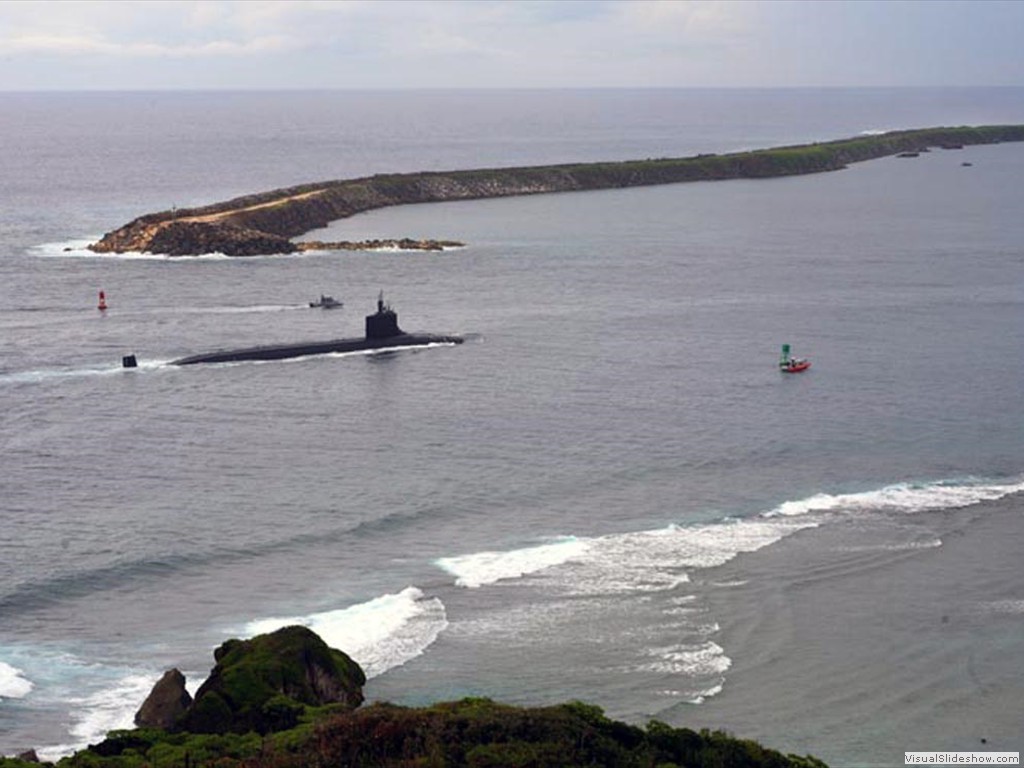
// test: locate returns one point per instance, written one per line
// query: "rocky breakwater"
(266, 223)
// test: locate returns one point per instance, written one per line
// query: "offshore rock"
(166, 702)
(264, 684)
(402, 244)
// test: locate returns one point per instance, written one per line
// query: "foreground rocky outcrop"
(265, 223)
(263, 684)
(287, 700)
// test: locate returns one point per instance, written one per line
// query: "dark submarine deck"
(285, 351)
(382, 332)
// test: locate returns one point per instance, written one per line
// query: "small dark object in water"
(967, 165)
(326, 302)
(129, 361)
(908, 154)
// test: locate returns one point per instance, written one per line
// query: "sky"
(377, 44)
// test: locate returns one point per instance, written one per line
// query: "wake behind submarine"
(382, 332)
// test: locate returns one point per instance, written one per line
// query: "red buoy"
(103, 302)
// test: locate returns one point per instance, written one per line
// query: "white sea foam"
(55, 374)
(683, 599)
(112, 707)
(894, 546)
(902, 497)
(655, 560)
(657, 563)
(707, 693)
(637, 562)
(482, 568)
(681, 611)
(78, 248)
(700, 660)
(13, 683)
(694, 697)
(94, 715)
(401, 348)
(1008, 607)
(658, 560)
(380, 634)
(42, 376)
(229, 310)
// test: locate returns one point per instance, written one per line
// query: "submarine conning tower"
(384, 322)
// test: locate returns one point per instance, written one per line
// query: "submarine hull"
(285, 351)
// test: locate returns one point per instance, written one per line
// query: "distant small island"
(265, 223)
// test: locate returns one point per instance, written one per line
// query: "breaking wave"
(482, 568)
(654, 560)
(643, 561)
(380, 634)
(902, 497)
(13, 685)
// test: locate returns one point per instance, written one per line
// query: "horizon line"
(523, 88)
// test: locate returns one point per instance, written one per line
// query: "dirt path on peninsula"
(212, 217)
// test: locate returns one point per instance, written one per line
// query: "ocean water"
(608, 493)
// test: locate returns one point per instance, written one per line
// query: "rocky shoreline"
(401, 244)
(288, 700)
(265, 223)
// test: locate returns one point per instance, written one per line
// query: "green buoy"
(784, 360)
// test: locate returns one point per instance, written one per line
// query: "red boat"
(788, 364)
(795, 366)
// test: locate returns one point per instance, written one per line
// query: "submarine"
(382, 332)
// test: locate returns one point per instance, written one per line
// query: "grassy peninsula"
(265, 223)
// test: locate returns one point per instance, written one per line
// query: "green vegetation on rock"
(265, 684)
(474, 733)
